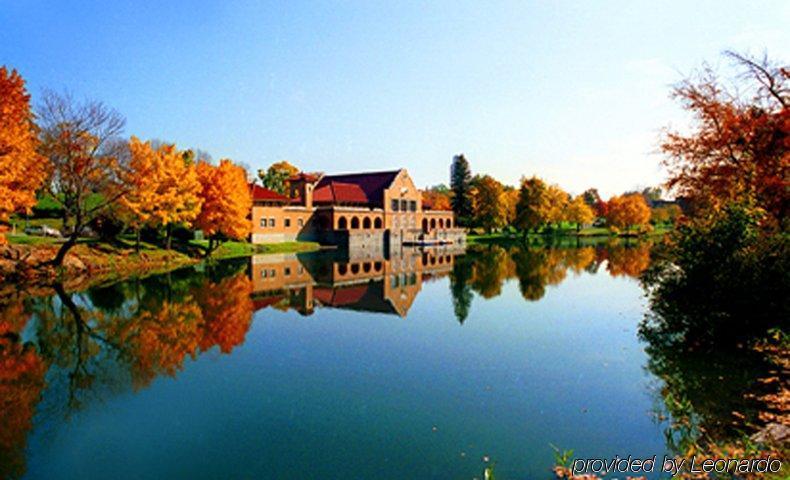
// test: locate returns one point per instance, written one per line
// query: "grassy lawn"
(590, 232)
(244, 249)
(24, 239)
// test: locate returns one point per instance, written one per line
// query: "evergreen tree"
(460, 184)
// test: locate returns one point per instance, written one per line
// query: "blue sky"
(575, 92)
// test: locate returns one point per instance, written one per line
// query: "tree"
(277, 175)
(226, 202)
(627, 211)
(738, 148)
(435, 200)
(591, 197)
(460, 184)
(665, 214)
(530, 209)
(488, 209)
(22, 169)
(579, 212)
(555, 204)
(81, 141)
(509, 202)
(164, 186)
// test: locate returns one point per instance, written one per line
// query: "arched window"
(377, 223)
(441, 223)
(449, 223)
(377, 266)
(342, 224)
(424, 224)
(366, 223)
(342, 269)
(354, 268)
(354, 223)
(433, 223)
(366, 267)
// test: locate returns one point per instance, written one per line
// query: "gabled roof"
(367, 188)
(264, 194)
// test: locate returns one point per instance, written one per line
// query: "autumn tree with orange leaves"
(163, 187)
(22, 169)
(627, 211)
(226, 202)
(739, 147)
(436, 199)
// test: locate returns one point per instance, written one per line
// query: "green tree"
(461, 186)
(277, 175)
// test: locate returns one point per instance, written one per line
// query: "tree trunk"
(64, 249)
(137, 240)
(168, 236)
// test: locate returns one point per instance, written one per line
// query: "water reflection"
(63, 351)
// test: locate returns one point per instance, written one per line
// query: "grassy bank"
(562, 234)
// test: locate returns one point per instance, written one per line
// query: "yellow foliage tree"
(627, 211)
(22, 170)
(164, 187)
(555, 201)
(226, 202)
(487, 210)
(579, 212)
(509, 200)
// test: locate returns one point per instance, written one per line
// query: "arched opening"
(342, 269)
(342, 224)
(447, 258)
(433, 260)
(354, 268)
(366, 223)
(366, 267)
(377, 223)
(441, 223)
(377, 266)
(354, 223)
(424, 259)
(425, 225)
(433, 223)
(449, 223)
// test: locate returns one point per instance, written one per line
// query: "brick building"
(358, 209)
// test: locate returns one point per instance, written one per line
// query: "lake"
(412, 365)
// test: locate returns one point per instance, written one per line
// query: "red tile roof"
(365, 188)
(264, 194)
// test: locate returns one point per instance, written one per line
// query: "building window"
(263, 222)
(271, 222)
(272, 273)
(287, 222)
(404, 205)
(366, 223)
(377, 223)
(300, 222)
(413, 206)
(287, 271)
(395, 204)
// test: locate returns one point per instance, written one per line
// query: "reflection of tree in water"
(461, 292)
(88, 346)
(628, 260)
(21, 381)
(485, 269)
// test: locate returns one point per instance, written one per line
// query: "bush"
(725, 278)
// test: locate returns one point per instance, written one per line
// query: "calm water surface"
(420, 365)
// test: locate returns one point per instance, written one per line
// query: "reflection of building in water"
(359, 281)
